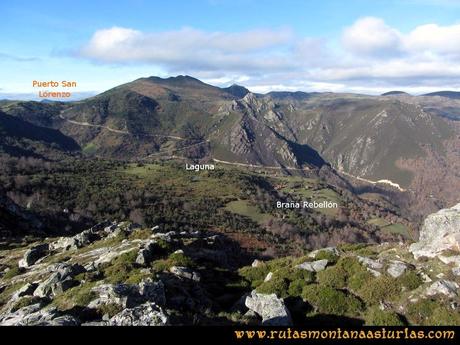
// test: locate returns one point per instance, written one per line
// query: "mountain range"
(408, 142)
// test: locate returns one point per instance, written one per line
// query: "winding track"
(86, 124)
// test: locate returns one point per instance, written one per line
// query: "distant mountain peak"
(179, 80)
(236, 90)
(447, 94)
(395, 93)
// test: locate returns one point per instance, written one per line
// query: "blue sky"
(355, 45)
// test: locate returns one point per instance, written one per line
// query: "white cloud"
(372, 54)
(371, 36)
(190, 48)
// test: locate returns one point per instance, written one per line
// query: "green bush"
(326, 255)
(379, 289)
(276, 285)
(410, 280)
(359, 280)
(292, 274)
(376, 317)
(255, 275)
(427, 312)
(121, 268)
(331, 301)
(296, 287)
(335, 277)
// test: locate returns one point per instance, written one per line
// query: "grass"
(89, 149)
(80, 295)
(243, 208)
(399, 229)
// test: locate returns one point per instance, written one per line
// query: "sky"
(362, 46)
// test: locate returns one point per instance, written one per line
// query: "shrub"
(175, 259)
(443, 316)
(276, 285)
(121, 268)
(420, 311)
(335, 277)
(331, 301)
(294, 274)
(376, 317)
(296, 287)
(359, 280)
(410, 280)
(325, 254)
(255, 275)
(379, 289)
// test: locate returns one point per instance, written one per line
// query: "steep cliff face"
(440, 233)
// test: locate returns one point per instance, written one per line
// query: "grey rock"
(271, 308)
(331, 250)
(373, 264)
(128, 296)
(456, 271)
(443, 287)
(374, 272)
(75, 242)
(33, 315)
(59, 281)
(396, 268)
(257, 263)
(125, 295)
(32, 255)
(145, 254)
(167, 237)
(147, 314)
(184, 272)
(268, 277)
(313, 266)
(440, 232)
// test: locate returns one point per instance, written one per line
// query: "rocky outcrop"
(329, 250)
(313, 266)
(34, 315)
(396, 268)
(59, 281)
(146, 253)
(147, 314)
(440, 232)
(32, 255)
(271, 308)
(443, 287)
(184, 272)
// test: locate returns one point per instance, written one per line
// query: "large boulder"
(59, 281)
(271, 308)
(443, 287)
(396, 268)
(147, 314)
(32, 255)
(129, 296)
(34, 315)
(80, 240)
(313, 266)
(440, 232)
(146, 253)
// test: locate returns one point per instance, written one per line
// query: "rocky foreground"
(122, 274)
